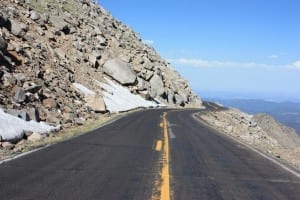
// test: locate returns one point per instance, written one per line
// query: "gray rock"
(8, 80)
(152, 94)
(101, 40)
(93, 60)
(60, 53)
(3, 44)
(53, 117)
(149, 75)
(171, 97)
(18, 113)
(19, 95)
(18, 29)
(33, 114)
(60, 24)
(32, 87)
(96, 54)
(157, 85)
(120, 71)
(179, 100)
(79, 121)
(142, 85)
(34, 15)
(29, 36)
(68, 117)
(44, 18)
(183, 95)
(20, 76)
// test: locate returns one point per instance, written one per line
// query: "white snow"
(118, 98)
(12, 128)
(83, 89)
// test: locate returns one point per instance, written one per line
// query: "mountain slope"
(50, 50)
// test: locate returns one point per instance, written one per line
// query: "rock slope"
(260, 131)
(47, 48)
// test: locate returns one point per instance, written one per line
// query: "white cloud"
(295, 65)
(201, 63)
(149, 42)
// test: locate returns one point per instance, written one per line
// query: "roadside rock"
(157, 85)
(95, 102)
(35, 137)
(7, 145)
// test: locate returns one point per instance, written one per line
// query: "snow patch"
(83, 89)
(118, 98)
(12, 128)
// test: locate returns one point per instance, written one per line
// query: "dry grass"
(69, 6)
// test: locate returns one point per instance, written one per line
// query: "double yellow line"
(165, 174)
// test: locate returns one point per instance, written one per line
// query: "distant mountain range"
(287, 113)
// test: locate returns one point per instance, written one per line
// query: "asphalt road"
(123, 160)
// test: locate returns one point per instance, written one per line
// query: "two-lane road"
(125, 160)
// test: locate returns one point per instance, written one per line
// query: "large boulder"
(157, 85)
(95, 102)
(120, 71)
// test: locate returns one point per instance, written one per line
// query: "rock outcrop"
(47, 46)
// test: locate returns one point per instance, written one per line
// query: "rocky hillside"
(64, 62)
(260, 131)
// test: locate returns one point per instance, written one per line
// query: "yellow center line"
(158, 145)
(165, 175)
(161, 125)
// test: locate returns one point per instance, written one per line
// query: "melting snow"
(12, 128)
(83, 89)
(118, 98)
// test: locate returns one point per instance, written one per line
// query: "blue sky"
(240, 46)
